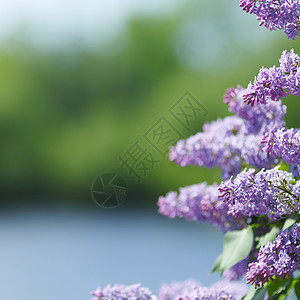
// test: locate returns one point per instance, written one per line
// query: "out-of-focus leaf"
(288, 222)
(237, 246)
(255, 294)
(297, 289)
(268, 237)
(217, 264)
(279, 288)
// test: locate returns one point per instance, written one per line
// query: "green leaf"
(250, 293)
(255, 294)
(297, 289)
(237, 246)
(288, 222)
(268, 237)
(275, 286)
(278, 287)
(284, 167)
(217, 264)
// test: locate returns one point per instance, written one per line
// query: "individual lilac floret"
(284, 143)
(276, 82)
(189, 290)
(279, 258)
(274, 14)
(121, 292)
(226, 143)
(269, 192)
(261, 117)
(199, 203)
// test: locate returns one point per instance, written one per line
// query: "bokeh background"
(81, 81)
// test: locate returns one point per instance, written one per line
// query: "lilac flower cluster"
(275, 14)
(225, 143)
(284, 143)
(191, 290)
(233, 141)
(280, 258)
(269, 192)
(123, 292)
(276, 82)
(199, 203)
(253, 137)
(261, 118)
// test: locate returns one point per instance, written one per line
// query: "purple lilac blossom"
(276, 82)
(261, 118)
(226, 143)
(233, 141)
(269, 192)
(284, 143)
(121, 292)
(279, 258)
(199, 203)
(189, 290)
(274, 14)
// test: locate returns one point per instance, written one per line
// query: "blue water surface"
(53, 254)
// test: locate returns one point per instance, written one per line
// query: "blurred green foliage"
(68, 114)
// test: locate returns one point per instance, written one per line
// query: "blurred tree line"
(68, 114)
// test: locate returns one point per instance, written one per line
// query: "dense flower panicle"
(266, 86)
(284, 143)
(269, 192)
(189, 290)
(279, 258)
(276, 82)
(199, 203)
(123, 292)
(261, 117)
(274, 14)
(233, 141)
(226, 143)
(253, 155)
